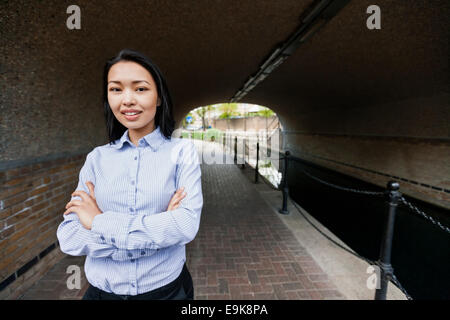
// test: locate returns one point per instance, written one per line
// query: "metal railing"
(392, 196)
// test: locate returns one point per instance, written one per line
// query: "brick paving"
(53, 286)
(242, 251)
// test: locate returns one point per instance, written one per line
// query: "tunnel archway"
(251, 132)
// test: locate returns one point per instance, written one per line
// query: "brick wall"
(251, 123)
(419, 165)
(32, 199)
(408, 139)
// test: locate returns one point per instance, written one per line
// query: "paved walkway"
(243, 249)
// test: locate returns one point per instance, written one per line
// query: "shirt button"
(130, 254)
(131, 209)
(132, 285)
(102, 237)
(135, 158)
(142, 253)
(132, 260)
(113, 240)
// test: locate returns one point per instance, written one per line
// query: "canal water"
(420, 250)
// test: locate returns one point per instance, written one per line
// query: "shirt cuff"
(112, 228)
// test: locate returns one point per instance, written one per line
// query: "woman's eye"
(114, 89)
(142, 89)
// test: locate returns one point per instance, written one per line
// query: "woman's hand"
(176, 199)
(86, 209)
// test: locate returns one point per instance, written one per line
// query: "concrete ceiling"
(346, 65)
(208, 48)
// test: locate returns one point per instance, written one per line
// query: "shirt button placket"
(134, 177)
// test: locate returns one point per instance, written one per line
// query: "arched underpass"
(359, 107)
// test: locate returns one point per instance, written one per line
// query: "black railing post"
(393, 198)
(285, 189)
(235, 150)
(257, 161)
(243, 154)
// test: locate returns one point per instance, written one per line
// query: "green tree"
(201, 111)
(209, 108)
(228, 110)
(266, 113)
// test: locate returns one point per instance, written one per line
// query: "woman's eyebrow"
(135, 81)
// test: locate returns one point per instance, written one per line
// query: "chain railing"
(393, 197)
(377, 193)
(423, 214)
(373, 193)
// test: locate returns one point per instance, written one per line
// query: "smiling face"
(133, 98)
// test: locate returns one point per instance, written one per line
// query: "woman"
(139, 198)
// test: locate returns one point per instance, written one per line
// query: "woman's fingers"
(179, 198)
(90, 186)
(179, 191)
(177, 194)
(70, 210)
(80, 193)
(176, 198)
(73, 203)
(72, 207)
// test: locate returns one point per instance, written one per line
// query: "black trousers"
(182, 288)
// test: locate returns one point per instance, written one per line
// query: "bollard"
(257, 160)
(235, 150)
(393, 198)
(243, 154)
(285, 189)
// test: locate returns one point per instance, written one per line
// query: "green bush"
(213, 135)
(197, 135)
(208, 135)
(265, 164)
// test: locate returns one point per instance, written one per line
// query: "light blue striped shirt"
(136, 245)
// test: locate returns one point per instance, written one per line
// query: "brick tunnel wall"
(407, 139)
(40, 166)
(51, 115)
(33, 198)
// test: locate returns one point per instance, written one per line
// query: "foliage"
(266, 113)
(209, 135)
(213, 135)
(265, 164)
(228, 110)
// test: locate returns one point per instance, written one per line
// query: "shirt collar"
(154, 140)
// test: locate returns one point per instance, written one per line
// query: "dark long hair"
(163, 117)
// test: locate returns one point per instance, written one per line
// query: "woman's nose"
(128, 97)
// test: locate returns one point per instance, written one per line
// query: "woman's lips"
(132, 117)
